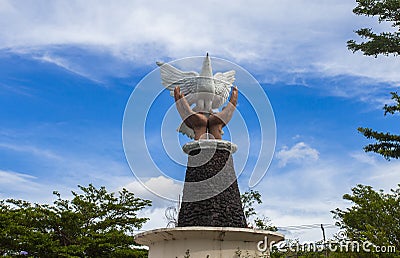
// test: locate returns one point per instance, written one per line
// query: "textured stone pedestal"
(211, 221)
(210, 194)
(203, 242)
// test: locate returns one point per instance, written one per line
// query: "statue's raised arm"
(195, 121)
(218, 120)
(198, 121)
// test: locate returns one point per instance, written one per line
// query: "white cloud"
(20, 89)
(305, 194)
(366, 158)
(44, 153)
(11, 181)
(300, 152)
(156, 216)
(281, 41)
(10, 176)
(156, 189)
(384, 175)
(65, 64)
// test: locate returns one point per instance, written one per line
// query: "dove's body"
(205, 88)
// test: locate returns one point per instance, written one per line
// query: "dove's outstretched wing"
(186, 130)
(172, 77)
(223, 83)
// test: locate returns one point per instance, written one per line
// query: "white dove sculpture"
(206, 91)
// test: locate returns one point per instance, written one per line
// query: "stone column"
(211, 195)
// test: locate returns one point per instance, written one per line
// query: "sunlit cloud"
(300, 152)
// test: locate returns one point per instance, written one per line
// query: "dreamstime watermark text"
(330, 245)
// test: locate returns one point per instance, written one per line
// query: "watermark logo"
(263, 245)
(341, 244)
(153, 147)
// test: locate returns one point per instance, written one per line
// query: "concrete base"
(203, 242)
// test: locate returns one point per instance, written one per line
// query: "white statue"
(206, 91)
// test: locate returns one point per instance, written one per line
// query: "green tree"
(248, 200)
(384, 43)
(387, 144)
(21, 229)
(374, 217)
(95, 223)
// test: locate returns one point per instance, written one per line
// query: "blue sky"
(68, 68)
